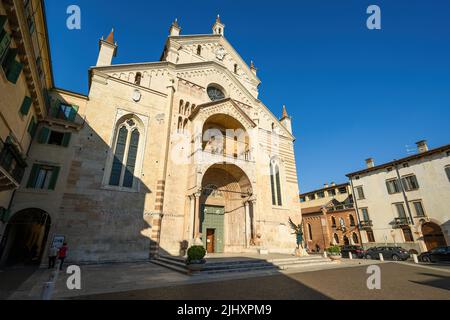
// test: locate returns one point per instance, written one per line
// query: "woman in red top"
(62, 254)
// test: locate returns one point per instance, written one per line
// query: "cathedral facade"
(163, 155)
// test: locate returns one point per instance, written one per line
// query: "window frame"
(138, 124)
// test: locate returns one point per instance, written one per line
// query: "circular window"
(215, 93)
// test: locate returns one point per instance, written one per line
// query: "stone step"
(170, 266)
(301, 261)
(246, 266)
(303, 265)
(239, 270)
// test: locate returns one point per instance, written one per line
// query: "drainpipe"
(405, 197)
(355, 201)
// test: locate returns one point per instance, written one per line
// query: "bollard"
(416, 260)
(48, 288)
(47, 291)
(350, 255)
(325, 254)
(381, 257)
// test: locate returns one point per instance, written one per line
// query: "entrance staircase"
(244, 264)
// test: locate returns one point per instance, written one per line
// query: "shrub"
(196, 253)
(334, 250)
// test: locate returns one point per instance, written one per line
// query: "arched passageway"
(433, 236)
(25, 238)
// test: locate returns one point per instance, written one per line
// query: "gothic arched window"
(138, 78)
(355, 238)
(125, 155)
(199, 50)
(352, 221)
(336, 238)
(333, 222)
(275, 183)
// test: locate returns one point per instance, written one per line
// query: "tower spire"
(108, 50)
(175, 28)
(285, 114)
(218, 27)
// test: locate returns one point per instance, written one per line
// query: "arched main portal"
(25, 238)
(433, 236)
(226, 212)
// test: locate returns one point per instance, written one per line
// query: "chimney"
(333, 184)
(370, 163)
(326, 185)
(422, 146)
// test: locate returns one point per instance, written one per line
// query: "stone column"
(197, 222)
(191, 233)
(247, 224)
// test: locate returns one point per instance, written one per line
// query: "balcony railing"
(12, 166)
(342, 207)
(365, 224)
(401, 222)
(218, 154)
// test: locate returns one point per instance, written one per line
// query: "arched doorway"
(433, 236)
(25, 238)
(226, 214)
(346, 241)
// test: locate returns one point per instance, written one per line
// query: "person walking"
(52, 255)
(62, 254)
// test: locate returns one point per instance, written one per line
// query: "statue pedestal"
(301, 253)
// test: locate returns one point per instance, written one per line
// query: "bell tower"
(219, 27)
(108, 50)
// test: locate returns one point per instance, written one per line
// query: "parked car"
(394, 253)
(357, 251)
(441, 254)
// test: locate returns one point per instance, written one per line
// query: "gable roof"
(233, 103)
(220, 39)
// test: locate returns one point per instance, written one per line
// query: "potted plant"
(334, 253)
(195, 258)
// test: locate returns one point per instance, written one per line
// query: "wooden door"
(210, 240)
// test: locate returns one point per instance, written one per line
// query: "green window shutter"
(43, 135)
(73, 113)
(66, 139)
(32, 127)
(9, 58)
(54, 108)
(33, 176)
(54, 179)
(26, 104)
(5, 41)
(14, 71)
(35, 126)
(3, 20)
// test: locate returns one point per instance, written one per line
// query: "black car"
(357, 251)
(394, 253)
(441, 254)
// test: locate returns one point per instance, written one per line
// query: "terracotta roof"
(110, 38)
(317, 209)
(326, 189)
(285, 114)
(402, 160)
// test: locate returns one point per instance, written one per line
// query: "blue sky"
(353, 93)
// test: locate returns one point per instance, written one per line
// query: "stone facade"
(405, 202)
(156, 147)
